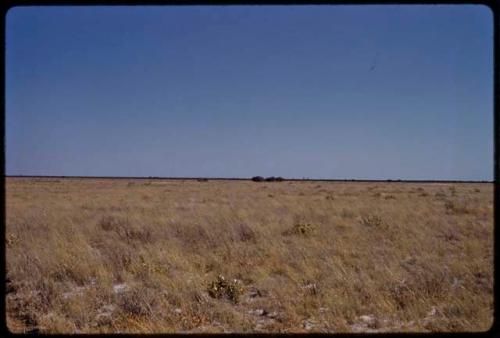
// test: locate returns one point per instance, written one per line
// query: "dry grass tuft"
(440, 195)
(457, 207)
(137, 302)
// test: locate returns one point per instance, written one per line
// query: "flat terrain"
(90, 255)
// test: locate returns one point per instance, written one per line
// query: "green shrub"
(221, 288)
(304, 228)
(372, 221)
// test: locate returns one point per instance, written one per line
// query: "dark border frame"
(493, 5)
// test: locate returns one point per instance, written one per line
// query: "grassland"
(144, 256)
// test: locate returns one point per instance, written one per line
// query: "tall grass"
(222, 256)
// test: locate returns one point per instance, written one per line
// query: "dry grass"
(224, 256)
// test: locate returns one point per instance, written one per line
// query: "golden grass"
(88, 255)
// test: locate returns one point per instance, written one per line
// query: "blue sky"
(354, 92)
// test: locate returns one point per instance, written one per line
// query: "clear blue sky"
(363, 92)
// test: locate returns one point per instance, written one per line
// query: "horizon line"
(250, 178)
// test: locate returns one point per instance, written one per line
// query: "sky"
(325, 92)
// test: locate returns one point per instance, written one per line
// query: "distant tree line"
(268, 179)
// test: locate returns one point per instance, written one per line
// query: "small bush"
(301, 229)
(221, 288)
(258, 179)
(271, 179)
(12, 240)
(304, 228)
(372, 221)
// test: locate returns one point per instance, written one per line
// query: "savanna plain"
(161, 256)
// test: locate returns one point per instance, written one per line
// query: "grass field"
(90, 255)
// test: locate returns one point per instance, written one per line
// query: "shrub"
(304, 228)
(271, 179)
(221, 288)
(372, 221)
(12, 239)
(301, 229)
(258, 179)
